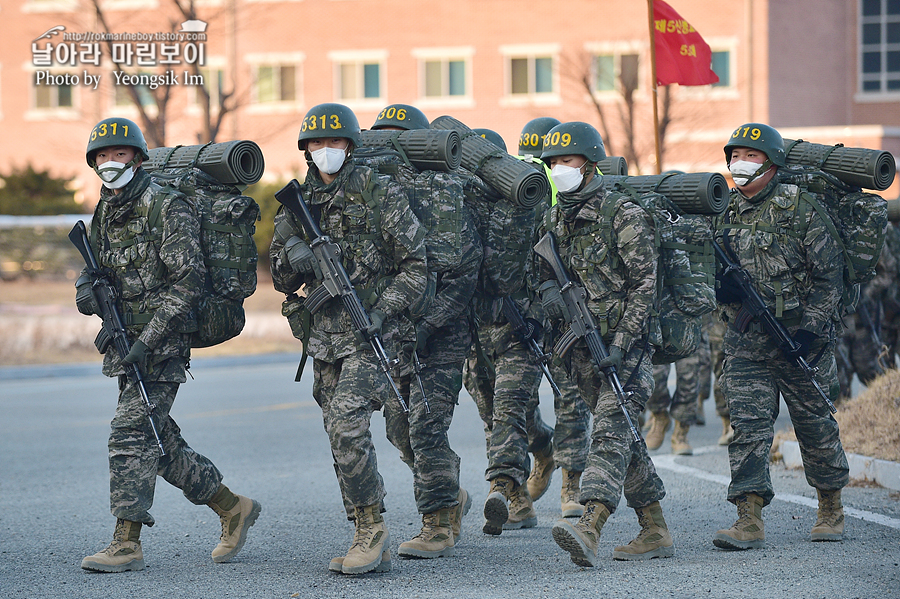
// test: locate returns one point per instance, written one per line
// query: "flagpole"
(653, 84)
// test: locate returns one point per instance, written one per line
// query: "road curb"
(883, 472)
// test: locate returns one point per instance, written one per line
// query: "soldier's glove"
(726, 291)
(614, 360)
(84, 297)
(377, 317)
(301, 257)
(804, 339)
(553, 303)
(423, 333)
(138, 355)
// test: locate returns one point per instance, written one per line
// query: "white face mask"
(115, 175)
(744, 171)
(329, 160)
(566, 178)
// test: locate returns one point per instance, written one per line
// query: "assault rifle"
(113, 331)
(582, 325)
(754, 307)
(335, 281)
(525, 332)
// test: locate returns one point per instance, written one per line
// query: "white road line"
(667, 462)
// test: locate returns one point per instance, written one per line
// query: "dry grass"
(870, 422)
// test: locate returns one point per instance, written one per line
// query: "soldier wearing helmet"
(772, 231)
(606, 242)
(158, 271)
(383, 252)
(400, 117)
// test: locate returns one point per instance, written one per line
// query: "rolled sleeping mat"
(893, 210)
(238, 162)
(426, 149)
(613, 165)
(871, 169)
(517, 181)
(693, 193)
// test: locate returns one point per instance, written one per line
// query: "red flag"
(681, 54)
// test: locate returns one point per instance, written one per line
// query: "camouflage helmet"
(115, 131)
(492, 136)
(573, 138)
(402, 116)
(328, 120)
(531, 140)
(759, 137)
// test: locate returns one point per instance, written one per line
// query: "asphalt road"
(265, 433)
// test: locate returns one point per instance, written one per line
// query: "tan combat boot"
(456, 516)
(727, 432)
(581, 539)
(571, 494)
(337, 563)
(496, 507)
(369, 543)
(434, 540)
(829, 524)
(521, 510)
(748, 532)
(237, 514)
(654, 539)
(541, 472)
(659, 424)
(680, 445)
(123, 554)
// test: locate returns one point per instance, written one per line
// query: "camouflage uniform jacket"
(383, 251)
(159, 274)
(615, 262)
(795, 263)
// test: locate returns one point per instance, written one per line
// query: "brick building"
(830, 79)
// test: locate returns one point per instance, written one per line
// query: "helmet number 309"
(102, 130)
(558, 139)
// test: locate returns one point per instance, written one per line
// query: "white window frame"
(55, 113)
(882, 95)
(445, 56)
(129, 5)
(39, 6)
(289, 59)
(530, 52)
(722, 92)
(359, 58)
(213, 63)
(617, 50)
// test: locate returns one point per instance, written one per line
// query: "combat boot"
(434, 540)
(337, 563)
(700, 420)
(571, 494)
(369, 543)
(456, 516)
(123, 554)
(541, 472)
(521, 510)
(237, 514)
(829, 524)
(659, 424)
(748, 532)
(654, 539)
(680, 445)
(727, 432)
(581, 539)
(496, 507)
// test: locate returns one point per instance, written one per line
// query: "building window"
(213, 83)
(444, 78)
(721, 66)
(124, 98)
(615, 71)
(530, 75)
(52, 97)
(879, 51)
(359, 80)
(275, 83)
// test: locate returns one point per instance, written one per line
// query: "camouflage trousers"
(711, 358)
(134, 461)
(615, 462)
(859, 353)
(348, 391)
(421, 436)
(682, 405)
(570, 435)
(503, 400)
(752, 389)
